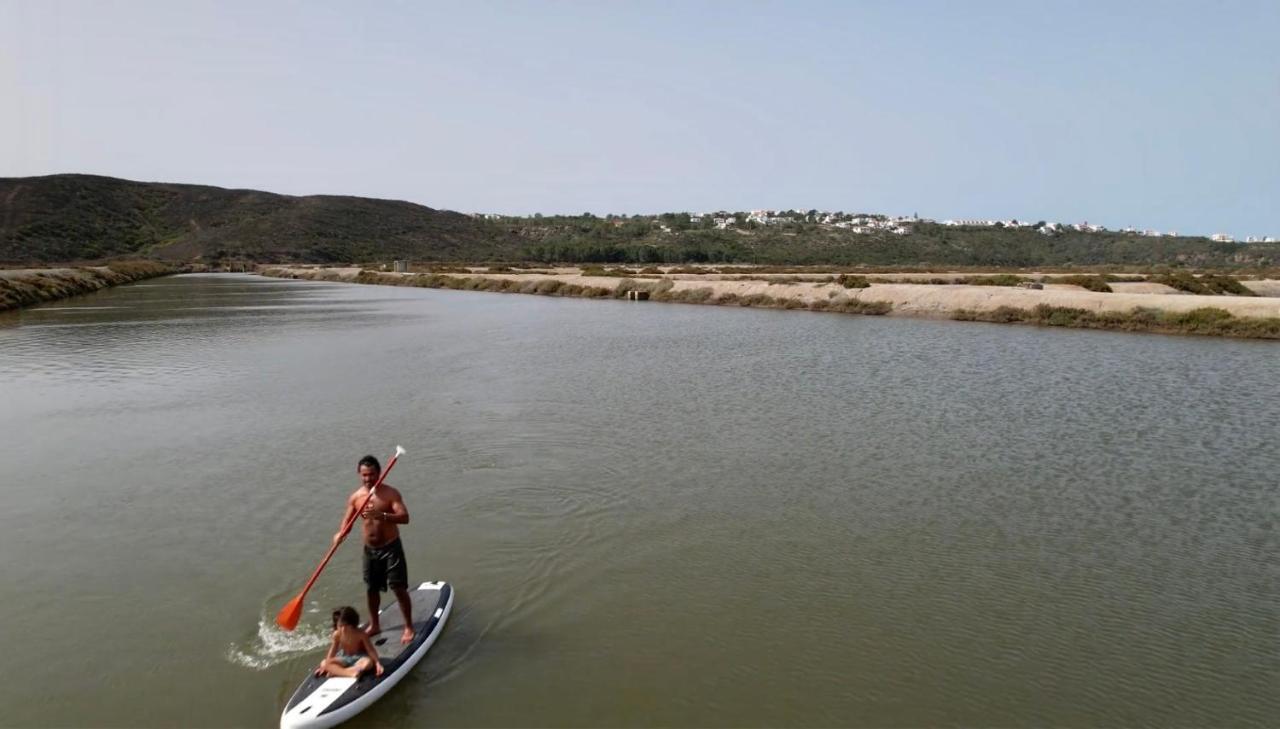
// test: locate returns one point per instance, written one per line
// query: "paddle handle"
(346, 528)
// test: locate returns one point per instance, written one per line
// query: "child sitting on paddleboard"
(350, 653)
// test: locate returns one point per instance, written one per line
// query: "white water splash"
(273, 645)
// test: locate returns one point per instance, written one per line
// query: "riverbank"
(26, 286)
(1132, 306)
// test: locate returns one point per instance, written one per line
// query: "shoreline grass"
(37, 286)
(1207, 320)
(658, 289)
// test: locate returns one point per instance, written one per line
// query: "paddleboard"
(325, 701)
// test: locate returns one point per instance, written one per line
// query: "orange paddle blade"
(289, 615)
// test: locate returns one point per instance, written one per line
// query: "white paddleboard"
(325, 701)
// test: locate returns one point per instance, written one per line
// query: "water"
(653, 514)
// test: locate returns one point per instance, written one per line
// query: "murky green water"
(653, 514)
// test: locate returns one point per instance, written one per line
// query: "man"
(384, 564)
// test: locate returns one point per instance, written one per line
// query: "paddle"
(288, 616)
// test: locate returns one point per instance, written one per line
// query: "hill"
(61, 218)
(66, 218)
(676, 238)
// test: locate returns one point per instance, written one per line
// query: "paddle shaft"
(346, 528)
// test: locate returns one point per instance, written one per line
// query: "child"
(351, 653)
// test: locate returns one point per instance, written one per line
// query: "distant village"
(868, 223)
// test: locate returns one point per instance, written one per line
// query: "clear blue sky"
(1159, 115)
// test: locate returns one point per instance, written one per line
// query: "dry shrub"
(1205, 320)
(548, 286)
(853, 282)
(687, 296)
(1091, 283)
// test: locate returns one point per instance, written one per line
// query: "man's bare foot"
(373, 629)
(407, 635)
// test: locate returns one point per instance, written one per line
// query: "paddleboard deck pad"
(325, 701)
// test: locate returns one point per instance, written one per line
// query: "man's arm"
(338, 536)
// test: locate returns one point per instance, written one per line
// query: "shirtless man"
(384, 564)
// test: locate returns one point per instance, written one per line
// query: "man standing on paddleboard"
(384, 564)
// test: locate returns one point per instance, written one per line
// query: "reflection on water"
(653, 514)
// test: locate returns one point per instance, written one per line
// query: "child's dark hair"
(346, 615)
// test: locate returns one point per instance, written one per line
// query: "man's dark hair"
(346, 615)
(371, 462)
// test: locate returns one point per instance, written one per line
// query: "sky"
(1162, 115)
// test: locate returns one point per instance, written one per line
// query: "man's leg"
(375, 581)
(398, 581)
(406, 608)
(375, 600)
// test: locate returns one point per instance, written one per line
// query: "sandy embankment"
(26, 286)
(1263, 288)
(922, 300)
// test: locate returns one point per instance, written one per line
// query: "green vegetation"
(1000, 279)
(1092, 283)
(1207, 320)
(1207, 284)
(65, 218)
(440, 268)
(655, 239)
